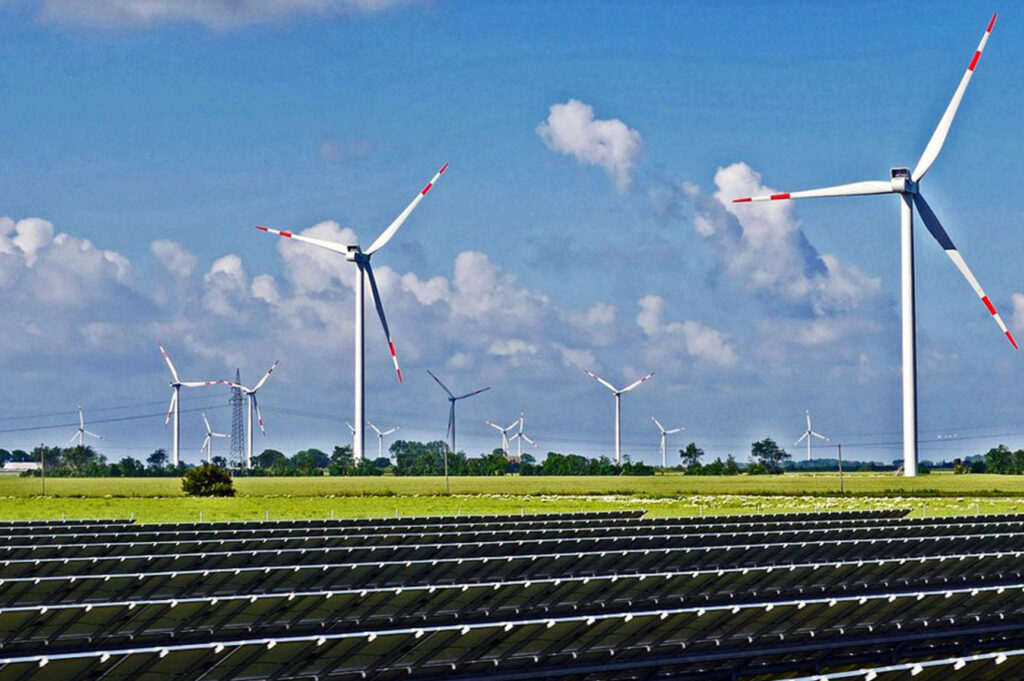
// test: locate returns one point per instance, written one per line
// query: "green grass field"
(160, 499)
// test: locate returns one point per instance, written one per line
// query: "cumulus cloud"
(571, 129)
(174, 258)
(1018, 310)
(692, 337)
(219, 15)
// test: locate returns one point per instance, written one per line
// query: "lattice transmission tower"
(237, 456)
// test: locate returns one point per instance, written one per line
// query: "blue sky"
(193, 124)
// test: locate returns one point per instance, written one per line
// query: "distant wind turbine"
(82, 432)
(354, 254)
(452, 399)
(380, 437)
(504, 432)
(252, 408)
(664, 436)
(618, 407)
(906, 184)
(520, 436)
(809, 434)
(208, 442)
(173, 411)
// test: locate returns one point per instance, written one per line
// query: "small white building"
(20, 466)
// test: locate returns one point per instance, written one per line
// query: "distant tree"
(960, 467)
(129, 467)
(21, 456)
(309, 462)
(691, 457)
(731, 467)
(1018, 462)
(341, 461)
(770, 455)
(999, 460)
(5, 456)
(270, 458)
(158, 459)
(220, 462)
(207, 481)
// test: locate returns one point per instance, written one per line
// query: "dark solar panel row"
(704, 638)
(214, 531)
(497, 542)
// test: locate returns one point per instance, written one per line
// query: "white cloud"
(219, 15)
(313, 269)
(264, 288)
(511, 348)
(31, 235)
(174, 258)
(571, 129)
(1018, 310)
(696, 339)
(226, 286)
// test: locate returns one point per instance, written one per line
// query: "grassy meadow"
(161, 499)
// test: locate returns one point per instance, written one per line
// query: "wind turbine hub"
(901, 182)
(355, 254)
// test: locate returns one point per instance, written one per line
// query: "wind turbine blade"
(393, 430)
(802, 438)
(170, 409)
(73, 438)
(451, 418)
(266, 375)
(658, 423)
(383, 319)
(931, 152)
(351, 427)
(475, 392)
(528, 439)
(674, 431)
(81, 418)
(219, 434)
(819, 436)
(92, 434)
(808, 415)
(634, 384)
(329, 245)
(207, 422)
(935, 227)
(375, 428)
(259, 416)
(601, 380)
(852, 189)
(443, 386)
(206, 443)
(386, 235)
(232, 384)
(170, 364)
(495, 426)
(201, 384)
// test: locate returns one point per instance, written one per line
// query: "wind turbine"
(452, 399)
(618, 407)
(252, 405)
(664, 436)
(380, 437)
(809, 434)
(520, 436)
(208, 442)
(504, 432)
(354, 254)
(173, 411)
(905, 183)
(82, 432)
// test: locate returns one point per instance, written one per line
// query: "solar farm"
(609, 595)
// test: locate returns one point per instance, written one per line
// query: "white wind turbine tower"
(664, 437)
(208, 442)
(905, 183)
(520, 436)
(504, 432)
(173, 411)
(82, 432)
(452, 399)
(618, 407)
(361, 259)
(809, 434)
(380, 437)
(252, 407)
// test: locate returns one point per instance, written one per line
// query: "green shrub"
(207, 481)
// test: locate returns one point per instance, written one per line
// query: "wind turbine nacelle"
(901, 182)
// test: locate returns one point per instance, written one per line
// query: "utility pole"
(841, 491)
(447, 484)
(42, 467)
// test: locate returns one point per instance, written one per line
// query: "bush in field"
(207, 481)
